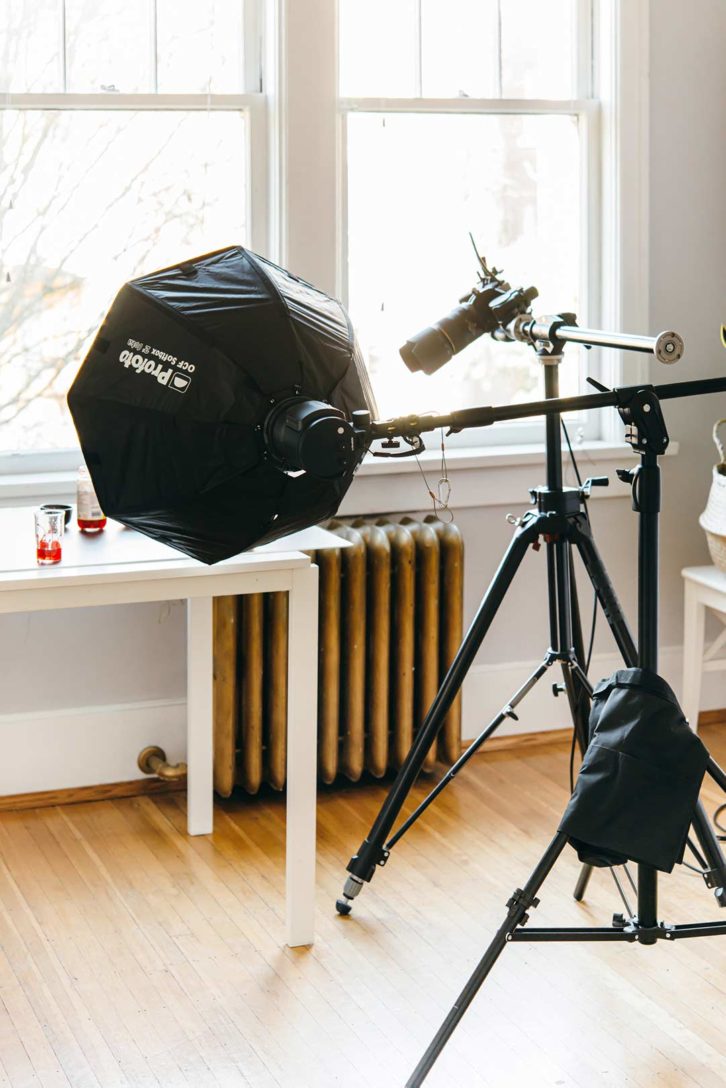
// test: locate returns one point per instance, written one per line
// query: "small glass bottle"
(91, 518)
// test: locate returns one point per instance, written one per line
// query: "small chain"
(440, 498)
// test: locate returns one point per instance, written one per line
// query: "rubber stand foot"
(343, 906)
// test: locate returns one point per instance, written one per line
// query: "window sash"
(112, 100)
(254, 102)
(284, 127)
(587, 113)
(612, 57)
(257, 212)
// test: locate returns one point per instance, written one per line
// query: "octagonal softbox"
(171, 401)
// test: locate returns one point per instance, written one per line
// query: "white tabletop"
(117, 550)
(706, 576)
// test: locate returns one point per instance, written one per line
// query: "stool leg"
(693, 641)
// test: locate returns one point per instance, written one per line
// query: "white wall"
(688, 254)
(136, 654)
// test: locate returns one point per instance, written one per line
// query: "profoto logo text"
(164, 375)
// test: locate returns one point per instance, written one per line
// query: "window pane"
(418, 183)
(200, 46)
(108, 45)
(126, 197)
(460, 48)
(538, 49)
(30, 46)
(378, 47)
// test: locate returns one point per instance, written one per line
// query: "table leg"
(693, 641)
(200, 725)
(302, 755)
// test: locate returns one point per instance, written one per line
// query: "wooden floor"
(133, 955)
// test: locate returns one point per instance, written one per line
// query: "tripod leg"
(582, 881)
(577, 694)
(711, 848)
(372, 851)
(506, 712)
(592, 560)
(595, 567)
(717, 773)
(518, 905)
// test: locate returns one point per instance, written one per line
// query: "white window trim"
(616, 152)
(622, 80)
(36, 471)
(298, 212)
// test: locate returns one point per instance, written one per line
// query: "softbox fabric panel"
(171, 400)
(638, 785)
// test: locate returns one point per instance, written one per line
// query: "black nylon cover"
(170, 398)
(640, 777)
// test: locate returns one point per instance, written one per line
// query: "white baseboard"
(87, 745)
(91, 745)
(490, 687)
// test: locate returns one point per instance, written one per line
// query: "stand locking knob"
(593, 481)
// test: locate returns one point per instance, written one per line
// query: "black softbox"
(172, 402)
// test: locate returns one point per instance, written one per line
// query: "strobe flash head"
(489, 306)
(310, 436)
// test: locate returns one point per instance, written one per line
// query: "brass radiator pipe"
(152, 760)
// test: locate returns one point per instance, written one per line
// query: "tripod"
(647, 435)
(560, 519)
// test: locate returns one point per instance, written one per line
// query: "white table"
(705, 587)
(119, 566)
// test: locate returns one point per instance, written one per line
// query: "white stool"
(705, 587)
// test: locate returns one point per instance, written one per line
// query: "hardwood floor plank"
(132, 955)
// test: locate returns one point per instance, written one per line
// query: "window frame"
(586, 112)
(296, 164)
(614, 165)
(252, 102)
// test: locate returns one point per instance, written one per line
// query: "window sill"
(480, 476)
(32, 488)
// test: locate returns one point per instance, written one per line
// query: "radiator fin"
(391, 612)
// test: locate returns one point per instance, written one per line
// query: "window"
(357, 142)
(125, 136)
(476, 116)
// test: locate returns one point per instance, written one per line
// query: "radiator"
(391, 613)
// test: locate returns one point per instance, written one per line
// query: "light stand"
(648, 436)
(560, 519)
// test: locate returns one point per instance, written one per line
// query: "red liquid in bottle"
(48, 551)
(90, 516)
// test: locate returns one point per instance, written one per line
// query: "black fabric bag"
(640, 777)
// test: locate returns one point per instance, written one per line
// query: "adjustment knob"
(669, 347)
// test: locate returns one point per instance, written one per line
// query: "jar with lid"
(91, 518)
